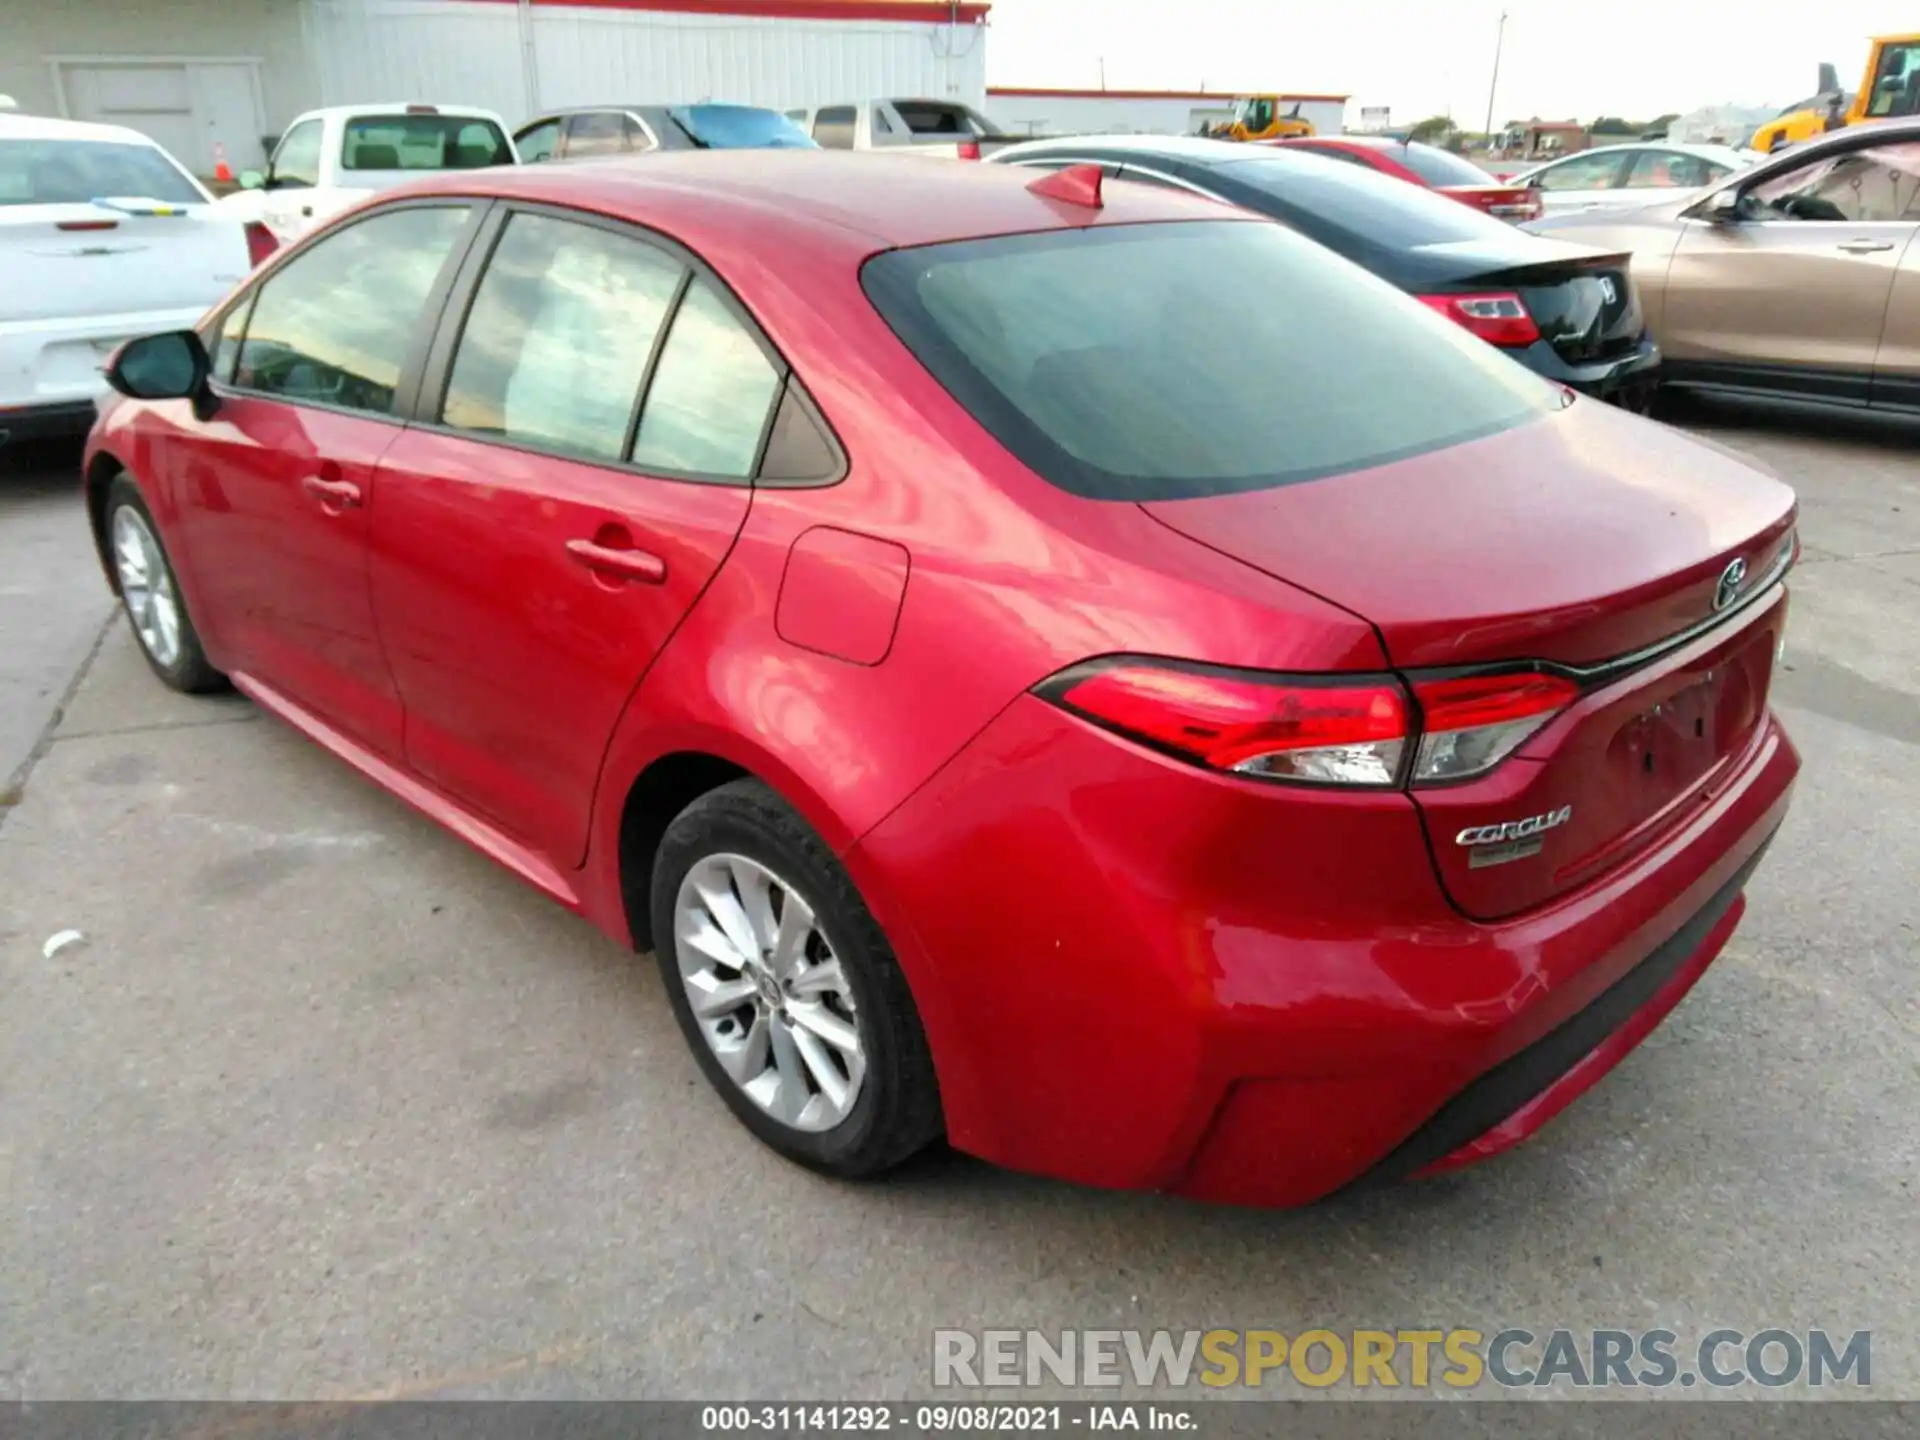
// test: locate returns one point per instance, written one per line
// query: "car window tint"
(603, 132)
(1363, 214)
(333, 324)
(297, 161)
(1440, 167)
(1138, 362)
(536, 143)
(707, 407)
(1582, 172)
(422, 142)
(72, 172)
(1859, 186)
(833, 127)
(1328, 152)
(557, 339)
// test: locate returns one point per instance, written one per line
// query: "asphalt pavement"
(325, 1105)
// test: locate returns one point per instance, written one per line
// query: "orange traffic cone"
(222, 171)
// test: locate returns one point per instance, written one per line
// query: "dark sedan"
(591, 130)
(1568, 312)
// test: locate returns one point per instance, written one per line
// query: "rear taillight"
(1500, 319)
(1470, 723)
(86, 224)
(1325, 730)
(969, 149)
(1518, 211)
(260, 242)
(1348, 730)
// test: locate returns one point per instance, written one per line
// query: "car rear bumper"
(35, 422)
(1140, 976)
(1627, 380)
(50, 364)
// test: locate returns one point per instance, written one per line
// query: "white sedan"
(103, 236)
(1634, 174)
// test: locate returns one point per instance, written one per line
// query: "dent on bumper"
(1148, 978)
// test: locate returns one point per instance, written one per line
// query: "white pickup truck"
(331, 159)
(943, 128)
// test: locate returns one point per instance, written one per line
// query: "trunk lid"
(1576, 541)
(118, 256)
(1583, 301)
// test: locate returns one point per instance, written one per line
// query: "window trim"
(406, 388)
(437, 368)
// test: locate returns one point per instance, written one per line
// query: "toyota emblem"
(1728, 590)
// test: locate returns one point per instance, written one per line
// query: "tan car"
(1798, 278)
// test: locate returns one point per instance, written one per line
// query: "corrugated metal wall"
(469, 52)
(1040, 114)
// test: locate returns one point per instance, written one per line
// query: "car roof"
(397, 107)
(1675, 147)
(1190, 148)
(856, 202)
(41, 127)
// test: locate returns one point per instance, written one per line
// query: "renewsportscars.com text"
(1457, 1359)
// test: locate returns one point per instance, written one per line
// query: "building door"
(186, 106)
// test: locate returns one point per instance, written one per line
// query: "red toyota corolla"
(901, 596)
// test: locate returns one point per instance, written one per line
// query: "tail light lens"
(969, 149)
(1470, 723)
(1344, 730)
(260, 242)
(1500, 319)
(1334, 730)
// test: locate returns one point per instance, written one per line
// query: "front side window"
(72, 172)
(1669, 170)
(334, 324)
(537, 142)
(1138, 362)
(296, 164)
(422, 142)
(833, 127)
(1582, 172)
(600, 132)
(556, 343)
(706, 410)
(1878, 183)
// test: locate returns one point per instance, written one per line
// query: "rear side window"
(297, 162)
(1158, 362)
(422, 142)
(556, 342)
(333, 325)
(833, 127)
(706, 410)
(1440, 167)
(72, 172)
(603, 132)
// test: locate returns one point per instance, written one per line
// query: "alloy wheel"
(768, 993)
(146, 586)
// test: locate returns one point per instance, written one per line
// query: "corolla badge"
(1728, 589)
(1514, 829)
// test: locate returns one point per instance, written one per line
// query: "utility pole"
(1494, 83)
(1103, 72)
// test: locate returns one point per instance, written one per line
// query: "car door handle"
(1865, 247)
(619, 562)
(334, 495)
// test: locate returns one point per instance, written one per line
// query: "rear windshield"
(741, 127)
(1362, 207)
(1159, 362)
(422, 142)
(1441, 167)
(934, 119)
(72, 172)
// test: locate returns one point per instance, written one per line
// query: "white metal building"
(1137, 112)
(196, 73)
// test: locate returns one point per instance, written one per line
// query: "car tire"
(150, 595)
(740, 856)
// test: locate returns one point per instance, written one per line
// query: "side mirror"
(1723, 207)
(169, 366)
(252, 180)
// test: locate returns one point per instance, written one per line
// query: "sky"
(1559, 59)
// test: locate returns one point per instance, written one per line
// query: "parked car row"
(1041, 655)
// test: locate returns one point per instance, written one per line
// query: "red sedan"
(1429, 167)
(899, 596)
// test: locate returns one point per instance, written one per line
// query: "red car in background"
(1428, 166)
(902, 598)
